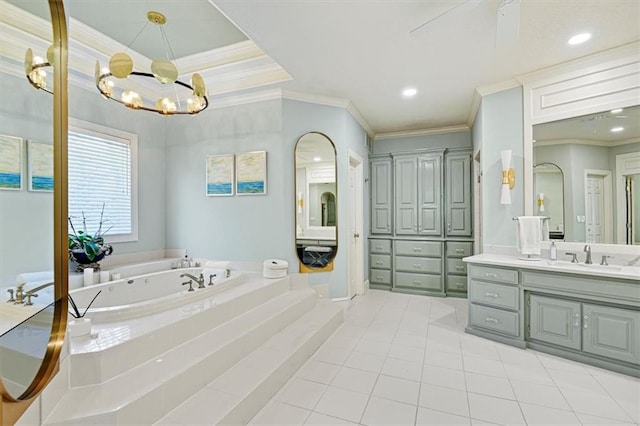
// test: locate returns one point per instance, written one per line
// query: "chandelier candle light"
(163, 70)
(34, 69)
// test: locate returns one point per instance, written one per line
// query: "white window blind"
(100, 173)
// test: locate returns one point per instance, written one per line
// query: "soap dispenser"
(185, 261)
(553, 252)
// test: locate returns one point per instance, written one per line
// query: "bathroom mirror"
(598, 155)
(548, 186)
(32, 203)
(316, 202)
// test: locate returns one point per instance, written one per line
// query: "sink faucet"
(587, 249)
(199, 280)
(33, 292)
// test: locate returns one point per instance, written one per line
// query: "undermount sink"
(600, 267)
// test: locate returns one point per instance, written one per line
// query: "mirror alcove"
(33, 121)
(316, 209)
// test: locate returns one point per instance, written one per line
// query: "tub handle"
(211, 277)
(190, 285)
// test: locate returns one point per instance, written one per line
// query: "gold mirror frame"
(303, 268)
(12, 407)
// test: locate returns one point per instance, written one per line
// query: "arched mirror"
(316, 202)
(548, 186)
(33, 265)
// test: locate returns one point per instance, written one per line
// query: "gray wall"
(408, 143)
(501, 128)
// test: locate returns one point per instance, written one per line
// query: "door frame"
(626, 164)
(356, 206)
(608, 202)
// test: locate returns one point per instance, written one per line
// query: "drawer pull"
(490, 275)
(491, 320)
(379, 247)
(379, 262)
(494, 295)
(460, 268)
(460, 285)
(417, 282)
(378, 277)
(417, 249)
(459, 250)
(417, 265)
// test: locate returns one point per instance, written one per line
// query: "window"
(102, 171)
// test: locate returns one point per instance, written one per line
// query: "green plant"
(90, 244)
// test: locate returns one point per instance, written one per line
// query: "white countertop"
(594, 270)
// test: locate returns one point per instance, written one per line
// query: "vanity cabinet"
(417, 189)
(381, 202)
(591, 319)
(606, 331)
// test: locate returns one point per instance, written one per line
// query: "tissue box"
(275, 268)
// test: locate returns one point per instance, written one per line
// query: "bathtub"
(141, 295)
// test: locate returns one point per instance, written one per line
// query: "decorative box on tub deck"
(275, 268)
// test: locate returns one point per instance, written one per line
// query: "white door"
(355, 250)
(595, 209)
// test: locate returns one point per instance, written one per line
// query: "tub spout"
(211, 277)
(199, 280)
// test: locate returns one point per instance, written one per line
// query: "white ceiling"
(359, 51)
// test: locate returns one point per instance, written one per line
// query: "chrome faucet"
(587, 249)
(199, 280)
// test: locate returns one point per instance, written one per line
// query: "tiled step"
(238, 394)
(147, 337)
(146, 393)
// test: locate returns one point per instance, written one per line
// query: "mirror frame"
(304, 268)
(564, 214)
(13, 407)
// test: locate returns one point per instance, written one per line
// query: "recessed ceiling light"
(616, 111)
(317, 159)
(579, 38)
(409, 92)
(617, 129)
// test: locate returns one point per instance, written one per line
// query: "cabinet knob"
(577, 324)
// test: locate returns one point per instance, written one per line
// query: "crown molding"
(489, 89)
(26, 22)
(424, 132)
(233, 53)
(589, 142)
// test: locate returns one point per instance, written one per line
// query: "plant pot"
(79, 327)
(80, 257)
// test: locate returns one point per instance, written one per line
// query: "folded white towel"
(529, 235)
(218, 264)
(34, 277)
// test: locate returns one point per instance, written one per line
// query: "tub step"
(146, 393)
(239, 394)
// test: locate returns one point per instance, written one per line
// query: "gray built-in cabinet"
(590, 319)
(421, 221)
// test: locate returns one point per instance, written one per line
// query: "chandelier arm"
(145, 108)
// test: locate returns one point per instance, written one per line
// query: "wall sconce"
(300, 202)
(541, 202)
(508, 177)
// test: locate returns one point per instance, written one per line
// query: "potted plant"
(88, 249)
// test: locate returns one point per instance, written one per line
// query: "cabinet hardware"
(379, 262)
(416, 281)
(378, 247)
(416, 265)
(459, 250)
(492, 320)
(494, 295)
(577, 324)
(460, 268)
(460, 285)
(417, 249)
(491, 275)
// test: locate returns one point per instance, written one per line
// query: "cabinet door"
(555, 321)
(381, 196)
(458, 195)
(611, 332)
(429, 195)
(406, 214)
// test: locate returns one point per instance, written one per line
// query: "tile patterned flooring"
(405, 360)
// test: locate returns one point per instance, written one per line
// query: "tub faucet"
(211, 277)
(19, 299)
(587, 250)
(199, 280)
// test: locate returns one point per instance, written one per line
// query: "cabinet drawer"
(494, 274)
(494, 319)
(418, 264)
(456, 283)
(498, 295)
(424, 281)
(380, 276)
(419, 248)
(456, 266)
(459, 249)
(380, 246)
(381, 261)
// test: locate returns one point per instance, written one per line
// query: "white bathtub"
(141, 295)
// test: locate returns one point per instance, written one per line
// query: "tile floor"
(405, 360)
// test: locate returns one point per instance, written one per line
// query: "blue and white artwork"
(40, 157)
(219, 175)
(251, 173)
(10, 163)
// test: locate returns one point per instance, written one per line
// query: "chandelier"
(34, 67)
(163, 70)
